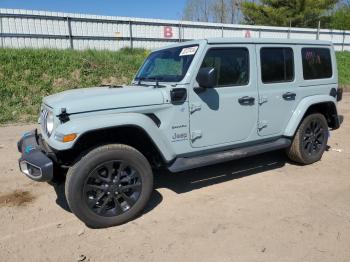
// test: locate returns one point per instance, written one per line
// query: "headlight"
(49, 123)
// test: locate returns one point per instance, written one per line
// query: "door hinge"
(262, 100)
(196, 134)
(262, 124)
(195, 107)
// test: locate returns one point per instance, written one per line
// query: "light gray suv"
(190, 105)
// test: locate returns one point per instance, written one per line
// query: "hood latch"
(64, 116)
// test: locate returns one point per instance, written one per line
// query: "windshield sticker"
(189, 51)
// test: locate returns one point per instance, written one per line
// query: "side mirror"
(206, 77)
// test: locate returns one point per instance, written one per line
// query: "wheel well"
(128, 135)
(327, 109)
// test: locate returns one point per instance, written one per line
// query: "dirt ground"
(263, 208)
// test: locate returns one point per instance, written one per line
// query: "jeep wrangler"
(190, 105)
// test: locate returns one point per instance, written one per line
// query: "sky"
(166, 9)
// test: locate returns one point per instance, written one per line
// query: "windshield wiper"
(155, 79)
(142, 79)
(139, 81)
(111, 86)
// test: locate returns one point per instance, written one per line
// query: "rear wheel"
(310, 140)
(109, 186)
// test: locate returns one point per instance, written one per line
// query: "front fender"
(301, 109)
(82, 125)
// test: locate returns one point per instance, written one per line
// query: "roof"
(237, 40)
(225, 40)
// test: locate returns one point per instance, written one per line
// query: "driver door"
(228, 112)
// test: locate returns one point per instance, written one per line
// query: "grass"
(343, 60)
(27, 75)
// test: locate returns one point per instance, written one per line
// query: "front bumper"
(34, 162)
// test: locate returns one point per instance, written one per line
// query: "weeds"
(27, 75)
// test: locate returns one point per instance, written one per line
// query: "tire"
(109, 186)
(310, 140)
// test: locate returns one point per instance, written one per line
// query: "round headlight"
(49, 123)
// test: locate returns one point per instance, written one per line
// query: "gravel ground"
(262, 208)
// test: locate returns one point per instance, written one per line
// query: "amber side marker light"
(69, 138)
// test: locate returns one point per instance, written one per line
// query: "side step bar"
(182, 164)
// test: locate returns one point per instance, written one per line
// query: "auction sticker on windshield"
(189, 51)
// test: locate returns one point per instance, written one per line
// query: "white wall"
(39, 29)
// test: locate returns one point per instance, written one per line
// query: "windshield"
(168, 65)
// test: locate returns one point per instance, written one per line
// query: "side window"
(317, 63)
(231, 64)
(277, 64)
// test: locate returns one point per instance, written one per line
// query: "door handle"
(246, 100)
(289, 96)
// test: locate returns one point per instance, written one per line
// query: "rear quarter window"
(317, 63)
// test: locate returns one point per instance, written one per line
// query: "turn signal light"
(69, 138)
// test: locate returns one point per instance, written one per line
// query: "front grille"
(43, 119)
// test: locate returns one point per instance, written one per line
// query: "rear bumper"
(34, 162)
(337, 120)
(339, 94)
(340, 119)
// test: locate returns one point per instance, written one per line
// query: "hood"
(100, 98)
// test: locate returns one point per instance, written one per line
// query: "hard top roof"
(237, 40)
(225, 40)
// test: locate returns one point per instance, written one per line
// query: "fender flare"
(301, 109)
(83, 125)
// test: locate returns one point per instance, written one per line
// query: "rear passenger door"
(277, 88)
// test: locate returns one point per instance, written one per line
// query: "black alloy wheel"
(313, 137)
(310, 140)
(109, 186)
(112, 188)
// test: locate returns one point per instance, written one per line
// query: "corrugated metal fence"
(39, 29)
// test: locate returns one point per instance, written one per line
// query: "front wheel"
(109, 186)
(310, 140)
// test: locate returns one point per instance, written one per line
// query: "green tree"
(341, 19)
(298, 13)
